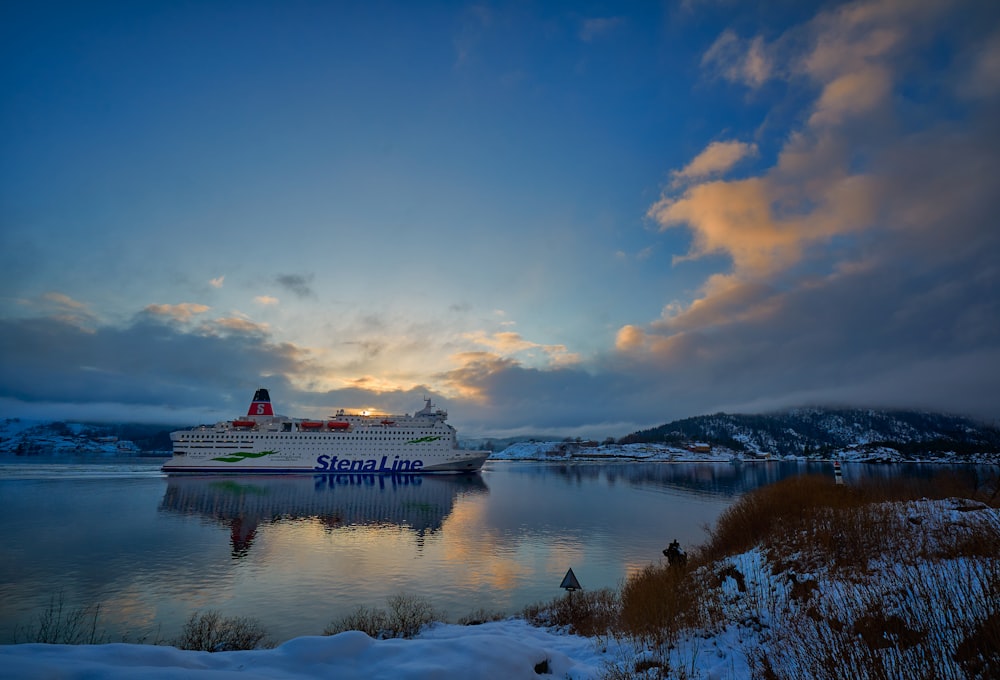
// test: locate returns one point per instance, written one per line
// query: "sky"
(565, 218)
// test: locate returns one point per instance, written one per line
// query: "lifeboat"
(338, 425)
(310, 425)
(388, 422)
(243, 423)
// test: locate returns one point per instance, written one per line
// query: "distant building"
(699, 447)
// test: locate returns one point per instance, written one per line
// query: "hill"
(22, 437)
(824, 433)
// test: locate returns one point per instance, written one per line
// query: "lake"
(297, 552)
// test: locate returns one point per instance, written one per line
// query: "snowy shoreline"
(561, 452)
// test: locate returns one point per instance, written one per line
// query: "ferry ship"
(343, 444)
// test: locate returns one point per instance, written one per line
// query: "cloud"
(147, 366)
(64, 308)
(981, 78)
(299, 284)
(859, 265)
(237, 324)
(511, 343)
(852, 94)
(716, 159)
(738, 60)
(216, 282)
(266, 300)
(476, 21)
(64, 300)
(594, 28)
(182, 312)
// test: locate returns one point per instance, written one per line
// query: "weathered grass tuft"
(210, 632)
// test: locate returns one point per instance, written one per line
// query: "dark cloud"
(299, 284)
(146, 364)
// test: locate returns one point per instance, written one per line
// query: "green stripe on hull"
(243, 455)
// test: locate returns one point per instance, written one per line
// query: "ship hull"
(459, 462)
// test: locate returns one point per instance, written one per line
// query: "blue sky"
(565, 218)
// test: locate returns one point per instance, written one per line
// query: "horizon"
(547, 217)
(555, 436)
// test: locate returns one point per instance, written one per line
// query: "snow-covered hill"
(854, 434)
(21, 437)
(564, 451)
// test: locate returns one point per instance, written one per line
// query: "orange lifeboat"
(310, 425)
(388, 422)
(338, 425)
(243, 423)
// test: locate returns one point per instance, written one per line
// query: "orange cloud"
(63, 300)
(739, 60)
(509, 342)
(238, 325)
(852, 94)
(182, 312)
(717, 158)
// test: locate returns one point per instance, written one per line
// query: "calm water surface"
(299, 551)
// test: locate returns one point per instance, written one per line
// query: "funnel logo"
(261, 404)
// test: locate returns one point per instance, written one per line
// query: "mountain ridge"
(817, 431)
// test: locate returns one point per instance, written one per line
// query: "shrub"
(659, 602)
(210, 632)
(481, 616)
(56, 625)
(593, 612)
(406, 616)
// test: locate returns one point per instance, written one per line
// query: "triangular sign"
(569, 582)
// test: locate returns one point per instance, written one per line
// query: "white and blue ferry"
(345, 443)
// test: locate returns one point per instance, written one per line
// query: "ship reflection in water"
(419, 503)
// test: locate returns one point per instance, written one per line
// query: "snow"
(501, 649)
(43, 437)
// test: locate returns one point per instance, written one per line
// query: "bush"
(210, 632)
(372, 622)
(57, 626)
(661, 601)
(481, 616)
(406, 616)
(588, 613)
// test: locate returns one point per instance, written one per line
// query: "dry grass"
(587, 612)
(830, 581)
(936, 620)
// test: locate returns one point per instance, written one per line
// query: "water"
(299, 551)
